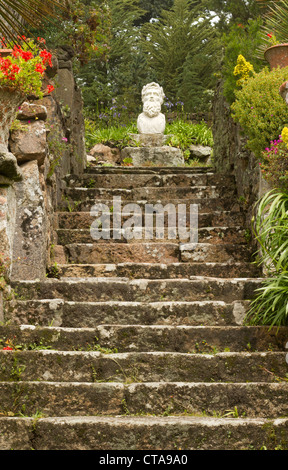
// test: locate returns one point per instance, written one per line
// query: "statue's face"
(152, 95)
(152, 102)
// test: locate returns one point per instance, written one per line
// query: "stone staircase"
(140, 344)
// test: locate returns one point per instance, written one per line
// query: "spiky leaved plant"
(270, 306)
(16, 16)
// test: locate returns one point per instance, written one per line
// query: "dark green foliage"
(240, 40)
(179, 47)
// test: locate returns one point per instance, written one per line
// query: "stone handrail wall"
(48, 141)
(230, 155)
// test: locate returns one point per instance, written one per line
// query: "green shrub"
(260, 110)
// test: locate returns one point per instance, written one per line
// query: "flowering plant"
(23, 70)
(272, 39)
(243, 69)
(275, 165)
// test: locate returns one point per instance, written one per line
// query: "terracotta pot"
(277, 56)
(10, 100)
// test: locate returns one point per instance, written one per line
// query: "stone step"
(144, 290)
(213, 235)
(205, 205)
(160, 170)
(93, 366)
(84, 220)
(149, 433)
(138, 193)
(55, 399)
(136, 180)
(149, 338)
(58, 312)
(111, 253)
(157, 271)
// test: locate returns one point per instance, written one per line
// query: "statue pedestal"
(152, 151)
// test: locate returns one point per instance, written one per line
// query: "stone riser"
(252, 400)
(75, 366)
(128, 433)
(140, 338)
(171, 193)
(159, 271)
(82, 220)
(111, 253)
(143, 290)
(93, 314)
(209, 205)
(130, 181)
(144, 170)
(216, 235)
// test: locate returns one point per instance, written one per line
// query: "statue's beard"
(152, 109)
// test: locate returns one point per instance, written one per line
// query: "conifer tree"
(179, 46)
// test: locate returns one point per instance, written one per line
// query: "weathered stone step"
(205, 205)
(214, 235)
(144, 290)
(160, 170)
(84, 220)
(111, 253)
(91, 366)
(92, 314)
(134, 180)
(140, 338)
(170, 193)
(149, 433)
(253, 400)
(158, 271)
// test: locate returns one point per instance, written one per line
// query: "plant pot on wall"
(277, 56)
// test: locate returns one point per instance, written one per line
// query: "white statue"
(152, 121)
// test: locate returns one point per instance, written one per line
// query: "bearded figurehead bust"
(151, 120)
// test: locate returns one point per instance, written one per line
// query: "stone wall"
(48, 141)
(230, 155)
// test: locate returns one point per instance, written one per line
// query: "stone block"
(103, 153)
(29, 142)
(150, 140)
(29, 244)
(200, 152)
(29, 111)
(9, 169)
(153, 156)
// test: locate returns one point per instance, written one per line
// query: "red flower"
(50, 88)
(46, 57)
(269, 35)
(7, 348)
(39, 68)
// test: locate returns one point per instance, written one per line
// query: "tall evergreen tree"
(179, 46)
(124, 72)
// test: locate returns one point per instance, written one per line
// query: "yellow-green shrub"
(260, 110)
